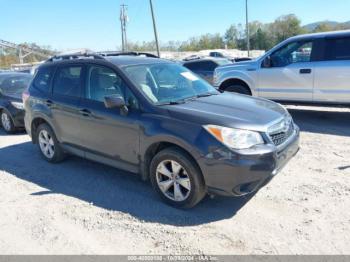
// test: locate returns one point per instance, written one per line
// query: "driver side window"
(295, 52)
(103, 81)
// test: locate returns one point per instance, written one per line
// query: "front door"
(108, 134)
(290, 74)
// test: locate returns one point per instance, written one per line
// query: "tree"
(286, 26)
(231, 36)
(323, 27)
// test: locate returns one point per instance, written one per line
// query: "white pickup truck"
(305, 68)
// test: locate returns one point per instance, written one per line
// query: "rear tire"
(48, 144)
(7, 123)
(176, 178)
(240, 89)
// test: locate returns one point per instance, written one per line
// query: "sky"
(94, 24)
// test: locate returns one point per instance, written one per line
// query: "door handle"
(305, 71)
(49, 103)
(85, 112)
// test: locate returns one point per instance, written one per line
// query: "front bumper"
(231, 173)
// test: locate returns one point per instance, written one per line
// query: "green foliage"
(262, 37)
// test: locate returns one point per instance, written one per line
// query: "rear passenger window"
(201, 66)
(209, 66)
(338, 49)
(67, 81)
(192, 66)
(42, 79)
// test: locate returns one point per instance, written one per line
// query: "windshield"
(14, 85)
(167, 83)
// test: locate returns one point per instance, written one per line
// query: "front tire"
(176, 178)
(48, 144)
(7, 123)
(240, 89)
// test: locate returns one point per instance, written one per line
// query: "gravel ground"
(80, 207)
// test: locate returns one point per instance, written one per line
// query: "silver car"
(305, 68)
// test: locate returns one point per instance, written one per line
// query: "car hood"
(239, 65)
(230, 110)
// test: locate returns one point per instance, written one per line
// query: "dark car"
(205, 67)
(12, 86)
(232, 59)
(217, 54)
(156, 118)
(241, 59)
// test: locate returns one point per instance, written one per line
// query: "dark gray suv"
(156, 118)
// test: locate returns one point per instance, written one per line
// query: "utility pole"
(247, 27)
(123, 21)
(154, 27)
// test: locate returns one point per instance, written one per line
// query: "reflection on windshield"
(168, 83)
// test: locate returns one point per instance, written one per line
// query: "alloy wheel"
(47, 145)
(6, 122)
(173, 180)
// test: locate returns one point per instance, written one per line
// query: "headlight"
(235, 138)
(17, 105)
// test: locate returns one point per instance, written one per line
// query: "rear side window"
(192, 66)
(15, 85)
(42, 79)
(338, 49)
(209, 66)
(201, 66)
(67, 81)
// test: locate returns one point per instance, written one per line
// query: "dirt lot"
(80, 207)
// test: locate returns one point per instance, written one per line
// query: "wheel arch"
(235, 81)
(158, 146)
(36, 122)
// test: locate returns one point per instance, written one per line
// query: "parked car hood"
(230, 110)
(239, 65)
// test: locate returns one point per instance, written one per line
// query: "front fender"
(249, 77)
(170, 130)
(167, 130)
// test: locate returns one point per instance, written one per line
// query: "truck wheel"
(240, 89)
(176, 178)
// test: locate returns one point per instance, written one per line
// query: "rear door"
(332, 75)
(290, 76)
(65, 102)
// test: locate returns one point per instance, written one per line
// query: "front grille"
(283, 132)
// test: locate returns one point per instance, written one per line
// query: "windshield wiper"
(178, 102)
(207, 94)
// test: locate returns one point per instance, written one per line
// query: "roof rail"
(74, 56)
(131, 53)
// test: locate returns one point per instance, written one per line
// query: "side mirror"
(115, 101)
(267, 62)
